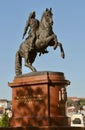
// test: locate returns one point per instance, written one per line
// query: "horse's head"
(46, 18)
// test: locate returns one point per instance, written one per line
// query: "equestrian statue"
(40, 36)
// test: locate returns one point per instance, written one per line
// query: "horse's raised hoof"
(54, 47)
(62, 55)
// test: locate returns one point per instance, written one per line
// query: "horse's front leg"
(60, 45)
(62, 50)
(55, 41)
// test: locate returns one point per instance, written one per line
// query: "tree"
(4, 122)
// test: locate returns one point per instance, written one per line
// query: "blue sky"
(69, 26)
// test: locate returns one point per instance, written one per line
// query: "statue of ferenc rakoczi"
(40, 36)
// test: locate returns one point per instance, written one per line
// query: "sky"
(69, 26)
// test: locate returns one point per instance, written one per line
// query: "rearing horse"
(44, 37)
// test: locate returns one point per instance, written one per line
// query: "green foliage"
(4, 121)
(82, 101)
(0, 122)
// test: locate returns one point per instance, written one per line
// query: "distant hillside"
(75, 101)
(75, 98)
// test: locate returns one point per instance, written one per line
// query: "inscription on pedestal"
(30, 99)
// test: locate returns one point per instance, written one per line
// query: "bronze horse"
(44, 37)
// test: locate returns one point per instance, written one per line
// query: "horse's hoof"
(63, 55)
(34, 70)
(54, 47)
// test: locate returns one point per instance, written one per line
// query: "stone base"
(43, 128)
(39, 121)
(39, 99)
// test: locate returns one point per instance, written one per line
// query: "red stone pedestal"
(39, 99)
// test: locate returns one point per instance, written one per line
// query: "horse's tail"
(18, 64)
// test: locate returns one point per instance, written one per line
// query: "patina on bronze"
(40, 36)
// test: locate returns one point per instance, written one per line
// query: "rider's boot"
(31, 47)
